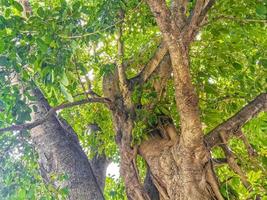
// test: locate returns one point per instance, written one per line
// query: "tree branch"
(178, 10)
(231, 160)
(196, 19)
(151, 66)
(51, 112)
(243, 20)
(233, 124)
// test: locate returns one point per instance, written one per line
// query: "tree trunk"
(61, 154)
(177, 173)
(181, 165)
(123, 125)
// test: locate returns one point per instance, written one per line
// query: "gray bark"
(60, 153)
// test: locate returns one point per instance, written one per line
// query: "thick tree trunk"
(180, 166)
(175, 172)
(61, 154)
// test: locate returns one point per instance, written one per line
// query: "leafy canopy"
(65, 45)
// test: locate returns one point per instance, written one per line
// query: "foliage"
(63, 42)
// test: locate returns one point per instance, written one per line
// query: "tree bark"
(61, 154)
(149, 186)
(123, 125)
(181, 166)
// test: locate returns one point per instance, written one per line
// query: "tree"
(207, 50)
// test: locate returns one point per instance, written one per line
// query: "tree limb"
(237, 19)
(231, 160)
(196, 19)
(51, 112)
(233, 124)
(178, 10)
(151, 66)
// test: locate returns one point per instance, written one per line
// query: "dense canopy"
(132, 82)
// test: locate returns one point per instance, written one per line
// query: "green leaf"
(42, 45)
(41, 12)
(76, 6)
(2, 45)
(64, 79)
(263, 62)
(65, 92)
(18, 6)
(261, 9)
(237, 66)
(4, 61)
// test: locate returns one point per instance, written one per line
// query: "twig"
(245, 20)
(51, 112)
(231, 160)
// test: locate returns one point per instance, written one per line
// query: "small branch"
(51, 112)
(123, 82)
(216, 162)
(233, 124)
(89, 34)
(231, 160)
(244, 20)
(196, 19)
(152, 65)
(250, 150)
(120, 60)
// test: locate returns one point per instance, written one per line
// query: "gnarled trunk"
(61, 154)
(180, 165)
(177, 173)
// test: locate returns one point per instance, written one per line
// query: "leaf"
(237, 65)
(4, 61)
(41, 12)
(64, 79)
(18, 6)
(263, 62)
(42, 45)
(2, 46)
(65, 92)
(76, 6)
(261, 9)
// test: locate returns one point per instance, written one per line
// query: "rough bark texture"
(60, 153)
(179, 162)
(99, 164)
(149, 186)
(232, 125)
(123, 125)
(181, 165)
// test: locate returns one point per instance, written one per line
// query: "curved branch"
(233, 124)
(51, 112)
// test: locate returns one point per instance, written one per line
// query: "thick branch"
(233, 124)
(51, 112)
